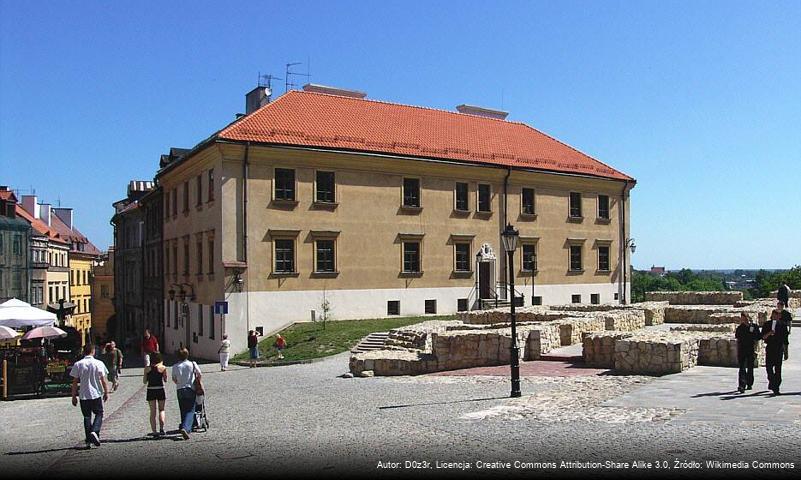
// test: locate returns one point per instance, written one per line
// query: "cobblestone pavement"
(304, 419)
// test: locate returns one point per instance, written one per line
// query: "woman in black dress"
(155, 376)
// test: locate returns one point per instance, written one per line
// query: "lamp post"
(628, 245)
(510, 237)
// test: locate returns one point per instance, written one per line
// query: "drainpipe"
(245, 168)
(623, 267)
(505, 222)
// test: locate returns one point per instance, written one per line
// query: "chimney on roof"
(342, 92)
(44, 213)
(482, 112)
(65, 214)
(30, 204)
(257, 98)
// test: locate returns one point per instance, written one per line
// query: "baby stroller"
(201, 423)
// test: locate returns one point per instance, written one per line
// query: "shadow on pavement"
(442, 403)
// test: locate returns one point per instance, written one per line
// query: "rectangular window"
(462, 257)
(325, 256)
(536, 300)
(199, 190)
(199, 255)
(284, 184)
(603, 259)
(175, 315)
(411, 257)
(211, 255)
(17, 245)
(411, 192)
(175, 201)
(431, 306)
(186, 196)
(175, 257)
(461, 305)
(529, 257)
(325, 187)
(616, 296)
(167, 260)
(104, 291)
(284, 256)
(484, 197)
(393, 307)
(575, 298)
(575, 205)
(186, 256)
(528, 201)
(462, 197)
(211, 185)
(575, 258)
(595, 298)
(603, 207)
(211, 322)
(200, 319)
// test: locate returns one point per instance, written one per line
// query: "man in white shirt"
(91, 373)
(183, 375)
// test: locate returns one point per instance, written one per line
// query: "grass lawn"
(305, 341)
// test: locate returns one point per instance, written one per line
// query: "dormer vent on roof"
(341, 92)
(481, 111)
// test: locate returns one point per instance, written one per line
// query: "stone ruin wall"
(695, 298)
(793, 302)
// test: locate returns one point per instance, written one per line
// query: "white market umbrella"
(18, 314)
(7, 333)
(44, 332)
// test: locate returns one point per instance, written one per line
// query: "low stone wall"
(695, 298)
(542, 339)
(502, 315)
(654, 312)
(722, 352)
(625, 320)
(701, 314)
(599, 348)
(416, 337)
(655, 355)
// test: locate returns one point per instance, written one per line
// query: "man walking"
(91, 373)
(774, 333)
(787, 319)
(747, 334)
(150, 344)
(783, 295)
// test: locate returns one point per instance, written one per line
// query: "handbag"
(197, 384)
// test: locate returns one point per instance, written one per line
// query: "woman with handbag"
(187, 377)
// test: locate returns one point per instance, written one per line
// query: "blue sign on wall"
(221, 308)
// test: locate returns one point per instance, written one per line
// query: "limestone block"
(696, 298)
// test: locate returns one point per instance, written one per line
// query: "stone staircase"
(374, 341)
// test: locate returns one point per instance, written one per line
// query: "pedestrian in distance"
(774, 333)
(747, 334)
(187, 377)
(253, 347)
(155, 376)
(225, 352)
(150, 344)
(280, 345)
(787, 318)
(107, 357)
(783, 294)
(118, 359)
(91, 373)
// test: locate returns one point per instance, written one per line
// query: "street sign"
(221, 308)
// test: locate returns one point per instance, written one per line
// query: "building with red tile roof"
(377, 209)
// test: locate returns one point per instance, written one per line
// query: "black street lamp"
(510, 237)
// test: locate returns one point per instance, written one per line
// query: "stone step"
(373, 341)
(560, 358)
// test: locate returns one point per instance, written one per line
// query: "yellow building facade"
(275, 230)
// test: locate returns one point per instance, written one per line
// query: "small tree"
(325, 310)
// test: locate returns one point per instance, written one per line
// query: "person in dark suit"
(787, 318)
(774, 333)
(747, 334)
(783, 294)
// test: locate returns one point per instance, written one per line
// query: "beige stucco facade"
(368, 226)
(81, 292)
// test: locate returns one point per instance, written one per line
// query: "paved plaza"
(303, 419)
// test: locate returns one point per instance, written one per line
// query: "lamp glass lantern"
(510, 237)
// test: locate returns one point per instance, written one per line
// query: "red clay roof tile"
(329, 121)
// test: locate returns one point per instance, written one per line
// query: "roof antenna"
(287, 83)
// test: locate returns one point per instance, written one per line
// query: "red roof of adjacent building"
(311, 119)
(40, 226)
(72, 235)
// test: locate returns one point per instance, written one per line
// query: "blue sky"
(700, 101)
